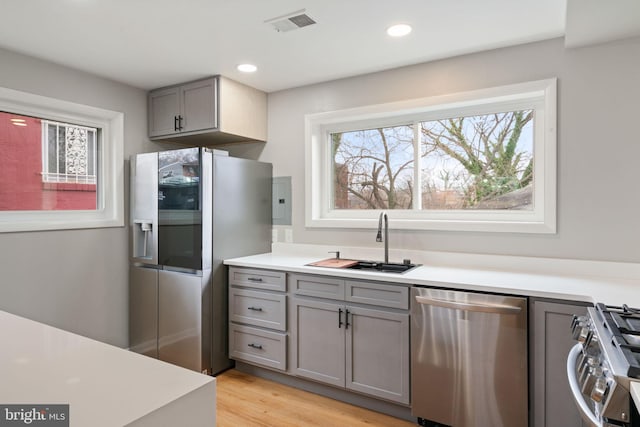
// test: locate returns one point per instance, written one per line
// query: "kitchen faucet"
(386, 235)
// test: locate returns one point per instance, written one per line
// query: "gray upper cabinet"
(553, 405)
(207, 111)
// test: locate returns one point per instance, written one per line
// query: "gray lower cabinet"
(364, 349)
(377, 353)
(258, 317)
(551, 341)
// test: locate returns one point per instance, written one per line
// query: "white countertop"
(103, 385)
(565, 279)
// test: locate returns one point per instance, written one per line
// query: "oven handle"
(457, 305)
(584, 409)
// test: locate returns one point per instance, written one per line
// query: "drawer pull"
(254, 279)
(258, 346)
(254, 308)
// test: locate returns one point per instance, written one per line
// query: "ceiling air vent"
(291, 21)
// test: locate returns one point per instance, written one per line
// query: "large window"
(482, 161)
(61, 165)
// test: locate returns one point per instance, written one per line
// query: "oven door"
(590, 418)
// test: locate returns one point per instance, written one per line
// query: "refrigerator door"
(180, 329)
(179, 207)
(144, 207)
(241, 227)
(143, 311)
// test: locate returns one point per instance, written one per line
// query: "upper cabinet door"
(164, 111)
(199, 106)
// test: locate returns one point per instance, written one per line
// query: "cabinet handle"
(175, 123)
(258, 346)
(180, 118)
(346, 319)
(254, 308)
(254, 279)
(339, 318)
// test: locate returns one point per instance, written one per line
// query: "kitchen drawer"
(395, 296)
(257, 308)
(259, 279)
(258, 346)
(317, 286)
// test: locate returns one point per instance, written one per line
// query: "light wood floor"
(247, 401)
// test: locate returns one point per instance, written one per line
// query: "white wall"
(74, 280)
(598, 145)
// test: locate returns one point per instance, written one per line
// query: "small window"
(481, 161)
(61, 166)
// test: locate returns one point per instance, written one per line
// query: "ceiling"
(154, 43)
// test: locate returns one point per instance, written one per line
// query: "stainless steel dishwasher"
(468, 359)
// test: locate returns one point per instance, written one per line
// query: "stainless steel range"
(603, 363)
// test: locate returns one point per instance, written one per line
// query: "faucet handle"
(335, 252)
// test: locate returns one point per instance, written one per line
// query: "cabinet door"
(552, 340)
(164, 108)
(180, 319)
(377, 353)
(318, 341)
(199, 106)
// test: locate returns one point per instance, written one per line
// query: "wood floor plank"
(245, 400)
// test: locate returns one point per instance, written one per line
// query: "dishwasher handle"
(466, 306)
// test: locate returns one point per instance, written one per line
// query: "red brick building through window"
(68, 179)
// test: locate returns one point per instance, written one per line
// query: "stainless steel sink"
(382, 267)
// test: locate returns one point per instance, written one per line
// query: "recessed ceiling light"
(399, 30)
(247, 68)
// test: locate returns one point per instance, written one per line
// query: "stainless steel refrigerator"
(191, 209)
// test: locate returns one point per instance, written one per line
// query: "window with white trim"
(476, 161)
(62, 166)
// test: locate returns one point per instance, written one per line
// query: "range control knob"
(591, 378)
(583, 334)
(589, 363)
(577, 323)
(591, 346)
(599, 390)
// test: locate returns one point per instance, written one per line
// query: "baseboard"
(352, 398)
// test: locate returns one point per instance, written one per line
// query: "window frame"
(538, 95)
(110, 165)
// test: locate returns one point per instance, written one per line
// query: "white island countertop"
(103, 385)
(584, 281)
